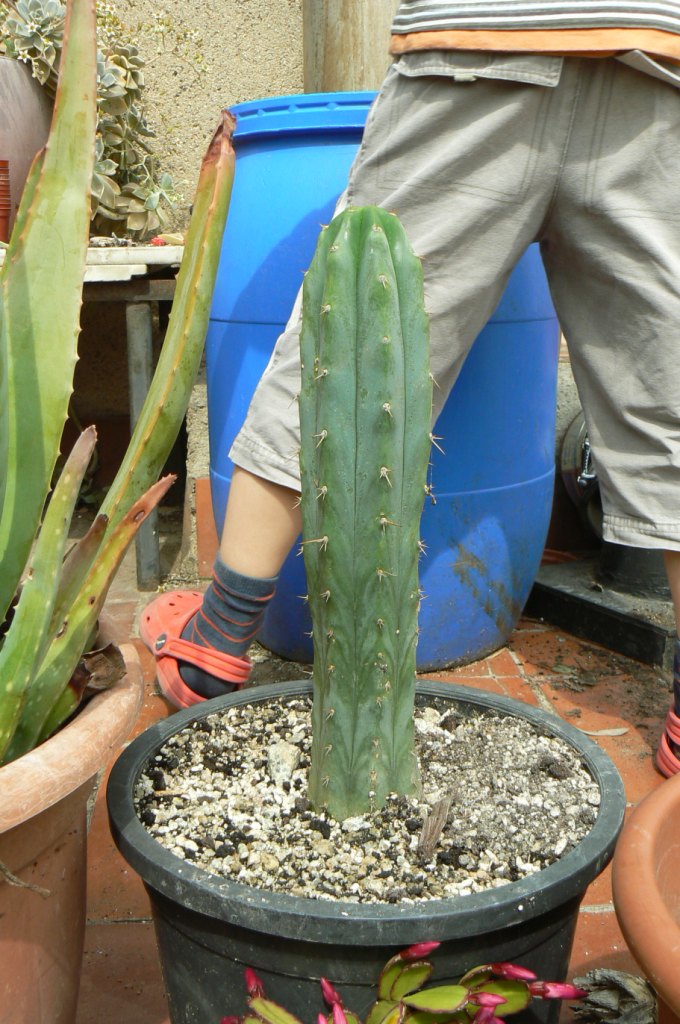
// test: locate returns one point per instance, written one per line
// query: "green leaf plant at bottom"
(485, 995)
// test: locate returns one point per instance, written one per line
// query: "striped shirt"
(592, 27)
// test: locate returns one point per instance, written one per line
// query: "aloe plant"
(51, 605)
(365, 417)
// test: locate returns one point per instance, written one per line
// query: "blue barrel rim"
(301, 113)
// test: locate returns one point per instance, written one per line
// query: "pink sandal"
(667, 761)
(160, 627)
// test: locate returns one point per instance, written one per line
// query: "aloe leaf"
(29, 189)
(40, 291)
(39, 717)
(442, 999)
(27, 640)
(168, 396)
(74, 571)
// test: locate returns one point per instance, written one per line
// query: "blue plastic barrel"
(494, 484)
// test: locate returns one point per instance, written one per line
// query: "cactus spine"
(365, 417)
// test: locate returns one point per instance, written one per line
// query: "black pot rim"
(325, 921)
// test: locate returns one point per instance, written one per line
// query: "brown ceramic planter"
(43, 836)
(24, 124)
(646, 885)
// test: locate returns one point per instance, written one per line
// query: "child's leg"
(261, 523)
(201, 640)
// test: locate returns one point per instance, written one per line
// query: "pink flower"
(230, 1020)
(156, 240)
(338, 1014)
(512, 971)
(419, 950)
(321, 1019)
(486, 999)
(330, 995)
(254, 986)
(555, 990)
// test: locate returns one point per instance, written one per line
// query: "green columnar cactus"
(41, 294)
(365, 416)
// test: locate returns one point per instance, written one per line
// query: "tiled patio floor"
(587, 685)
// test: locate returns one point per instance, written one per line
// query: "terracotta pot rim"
(76, 753)
(650, 930)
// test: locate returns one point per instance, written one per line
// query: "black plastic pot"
(209, 929)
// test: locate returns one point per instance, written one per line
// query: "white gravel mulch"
(228, 794)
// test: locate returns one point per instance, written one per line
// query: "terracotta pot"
(25, 114)
(646, 886)
(44, 799)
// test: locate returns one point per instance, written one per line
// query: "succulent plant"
(50, 604)
(365, 417)
(486, 995)
(130, 194)
(34, 30)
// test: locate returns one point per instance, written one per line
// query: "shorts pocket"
(480, 138)
(632, 166)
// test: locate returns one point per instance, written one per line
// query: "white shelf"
(122, 263)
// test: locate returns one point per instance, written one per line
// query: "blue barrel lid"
(327, 111)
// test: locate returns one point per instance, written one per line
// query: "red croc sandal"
(160, 627)
(667, 762)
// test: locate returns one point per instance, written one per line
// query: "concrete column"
(346, 43)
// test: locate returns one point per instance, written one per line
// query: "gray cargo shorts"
(477, 171)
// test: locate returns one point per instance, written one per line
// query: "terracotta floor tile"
(599, 892)
(503, 663)
(114, 890)
(506, 686)
(474, 668)
(599, 943)
(119, 618)
(121, 981)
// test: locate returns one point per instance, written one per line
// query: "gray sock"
(228, 620)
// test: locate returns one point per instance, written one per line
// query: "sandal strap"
(672, 726)
(226, 667)
(666, 761)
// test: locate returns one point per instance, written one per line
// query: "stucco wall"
(216, 53)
